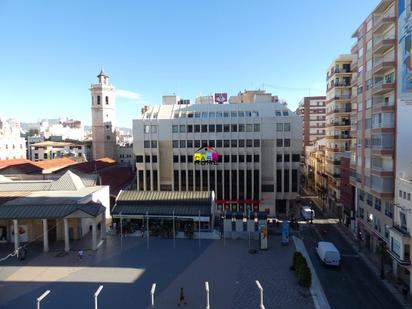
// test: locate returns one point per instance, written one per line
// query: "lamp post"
(96, 294)
(207, 295)
(152, 292)
(43, 296)
(261, 306)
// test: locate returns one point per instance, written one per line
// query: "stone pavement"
(127, 274)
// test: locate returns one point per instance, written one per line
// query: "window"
(107, 100)
(219, 115)
(378, 204)
(203, 143)
(190, 159)
(219, 143)
(182, 144)
(226, 114)
(197, 143)
(154, 159)
(256, 143)
(219, 128)
(146, 129)
(248, 114)
(248, 158)
(175, 129)
(257, 127)
(409, 196)
(146, 144)
(369, 65)
(226, 158)
(369, 199)
(204, 128)
(233, 143)
(182, 159)
(400, 193)
(139, 159)
(277, 113)
(212, 114)
(278, 158)
(286, 142)
(212, 142)
(234, 158)
(226, 128)
(285, 113)
(147, 159)
(211, 128)
(248, 128)
(256, 158)
(286, 157)
(241, 158)
(204, 114)
(98, 100)
(182, 128)
(241, 143)
(189, 128)
(279, 127)
(241, 128)
(45, 156)
(189, 144)
(175, 159)
(248, 143)
(295, 157)
(286, 127)
(241, 114)
(279, 142)
(197, 128)
(175, 144)
(153, 144)
(234, 127)
(108, 137)
(226, 143)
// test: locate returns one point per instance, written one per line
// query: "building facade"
(12, 146)
(312, 110)
(338, 125)
(49, 150)
(373, 162)
(103, 117)
(254, 151)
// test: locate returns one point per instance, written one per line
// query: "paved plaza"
(127, 275)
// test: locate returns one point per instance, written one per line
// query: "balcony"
(341, 123)
(400, 243)
(343, 97)
(338, 149)
(383, 87)
(381, 45)
(381, 66)
(382, 23)
(381, 103)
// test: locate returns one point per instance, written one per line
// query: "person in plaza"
(80, 254)
(182, 299)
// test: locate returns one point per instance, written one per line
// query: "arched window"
(98, 100)
(107, 100)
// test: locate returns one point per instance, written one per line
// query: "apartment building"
(373, 163)
(399, 245)
(312, 110)
(246, 152)
(49, 150)
(338, 125)
(314, 169)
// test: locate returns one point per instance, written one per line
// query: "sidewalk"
(348, 236)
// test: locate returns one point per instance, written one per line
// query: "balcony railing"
(401, 229)
(381, 103)
(339, 123)
(341, 110)
(343, 97)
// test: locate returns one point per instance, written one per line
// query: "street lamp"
(152, 292)
(43, 296)
(207, 295)
(261, 294)
(96, 294)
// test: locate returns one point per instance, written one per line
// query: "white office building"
(251, 159)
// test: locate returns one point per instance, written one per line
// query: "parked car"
(328, 253)
(307, 213)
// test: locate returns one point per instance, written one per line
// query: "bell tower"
(103, 117)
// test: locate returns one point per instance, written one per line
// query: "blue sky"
(51, 51)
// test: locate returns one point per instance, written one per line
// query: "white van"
(328, 253)
(307, 213)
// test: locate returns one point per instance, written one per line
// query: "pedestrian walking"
(182, 299)
(80, 254)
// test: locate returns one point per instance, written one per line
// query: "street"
(352, 285)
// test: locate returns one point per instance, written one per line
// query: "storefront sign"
(206, 155)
